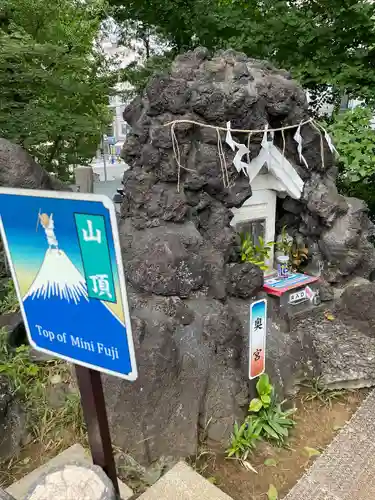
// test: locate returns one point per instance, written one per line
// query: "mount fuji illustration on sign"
(67, 269)
(58, 277)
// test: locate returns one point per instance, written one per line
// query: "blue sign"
(64, 253)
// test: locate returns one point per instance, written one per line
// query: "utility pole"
(104, 160)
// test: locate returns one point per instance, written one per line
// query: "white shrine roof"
(280, 167)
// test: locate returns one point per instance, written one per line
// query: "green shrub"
(286, 243)
(270, 420)
(256, 254)
(243, 440)
(266, 420)
(354, 140)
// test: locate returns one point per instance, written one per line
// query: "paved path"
(346, 470)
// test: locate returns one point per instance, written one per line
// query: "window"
(255, 228)
(110, 131)
(124, 128)
(257, 217)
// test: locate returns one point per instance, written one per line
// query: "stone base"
(74, 480)
(75, 453)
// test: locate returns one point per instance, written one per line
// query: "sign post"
(65, 258)
(257, 338)
(93, 405)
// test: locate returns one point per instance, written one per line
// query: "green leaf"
(255, 405)
(270, 462)
(266, 399)
(212, 480)
(278, 428)
(271, 433)
(311, 452)
(263, 385)
(272, 493)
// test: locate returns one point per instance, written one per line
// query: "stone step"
(183, 483)
(75, 453)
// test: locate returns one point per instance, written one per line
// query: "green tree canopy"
(54, 86)
(354, 138)
(325, 43)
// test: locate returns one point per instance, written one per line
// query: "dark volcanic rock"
(344, 244)
(323, 199)
(18, 169)
(189, 294)
(357, 302)
(244, 280)
(326, 291)
(164, 260)
(149, 200)
(12, 421)
(12, 323)
(181, 371)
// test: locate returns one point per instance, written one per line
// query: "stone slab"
(183, 483)
(76, 453)
(353, 364)
(346, 470)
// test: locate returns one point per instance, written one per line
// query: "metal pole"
(104, 160)
(94, 411)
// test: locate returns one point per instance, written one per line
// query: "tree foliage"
(184, 23)
(138, 73)
(54, 87)
(354, 139)
(325, 43)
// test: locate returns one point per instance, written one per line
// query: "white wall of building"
(121, 57)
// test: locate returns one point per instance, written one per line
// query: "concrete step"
(183, 483)
(75, 453)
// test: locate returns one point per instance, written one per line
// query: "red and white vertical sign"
(257, 338)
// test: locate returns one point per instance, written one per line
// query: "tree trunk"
(54, 149)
